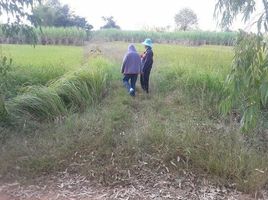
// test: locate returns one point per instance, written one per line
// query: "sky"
(137, 14)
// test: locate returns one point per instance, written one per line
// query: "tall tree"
(52, 13)
(109, 23)
(46, 14)
(186, 19)
(246, 86)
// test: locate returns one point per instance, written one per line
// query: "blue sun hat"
(148, 42)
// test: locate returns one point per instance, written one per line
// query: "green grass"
(73, 92)
(39, 65)
(38, 102)
(199, 71)
(179, 118)
(68, 57)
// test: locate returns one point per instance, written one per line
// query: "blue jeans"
(133, 79)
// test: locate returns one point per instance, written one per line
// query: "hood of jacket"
(131, 48)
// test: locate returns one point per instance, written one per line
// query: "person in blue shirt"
(147, 63)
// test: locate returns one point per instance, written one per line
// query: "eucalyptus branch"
(23, 19)
(265, 4)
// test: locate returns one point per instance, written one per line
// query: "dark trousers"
(145, 79)
(132, 78)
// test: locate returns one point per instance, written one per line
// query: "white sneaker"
(131, 91)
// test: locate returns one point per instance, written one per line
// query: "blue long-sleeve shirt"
(147, 59)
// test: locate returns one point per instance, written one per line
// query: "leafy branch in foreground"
(20, 19)
(247, 84)
(19, 15)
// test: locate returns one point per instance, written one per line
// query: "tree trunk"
(3, 110)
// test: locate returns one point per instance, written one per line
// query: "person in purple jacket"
(131, 68)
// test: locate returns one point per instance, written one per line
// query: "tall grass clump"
(38, 102)
(73, 92)
(81, 89)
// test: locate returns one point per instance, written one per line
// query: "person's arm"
(141, 67)
(147, 60)
(123, 65)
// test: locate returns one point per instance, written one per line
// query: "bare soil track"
(143, 184)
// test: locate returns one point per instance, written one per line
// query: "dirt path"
(145, 185)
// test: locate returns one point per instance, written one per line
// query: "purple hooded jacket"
(132, 62)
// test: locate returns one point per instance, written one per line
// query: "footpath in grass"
(152, 142)
(122, 150)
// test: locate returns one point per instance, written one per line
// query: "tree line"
(53, 13)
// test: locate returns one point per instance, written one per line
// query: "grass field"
(41, 64)
(42, 56)
(85, 116)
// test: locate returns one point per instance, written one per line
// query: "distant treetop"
(53, 13)
(109, 23)
(186, 19)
